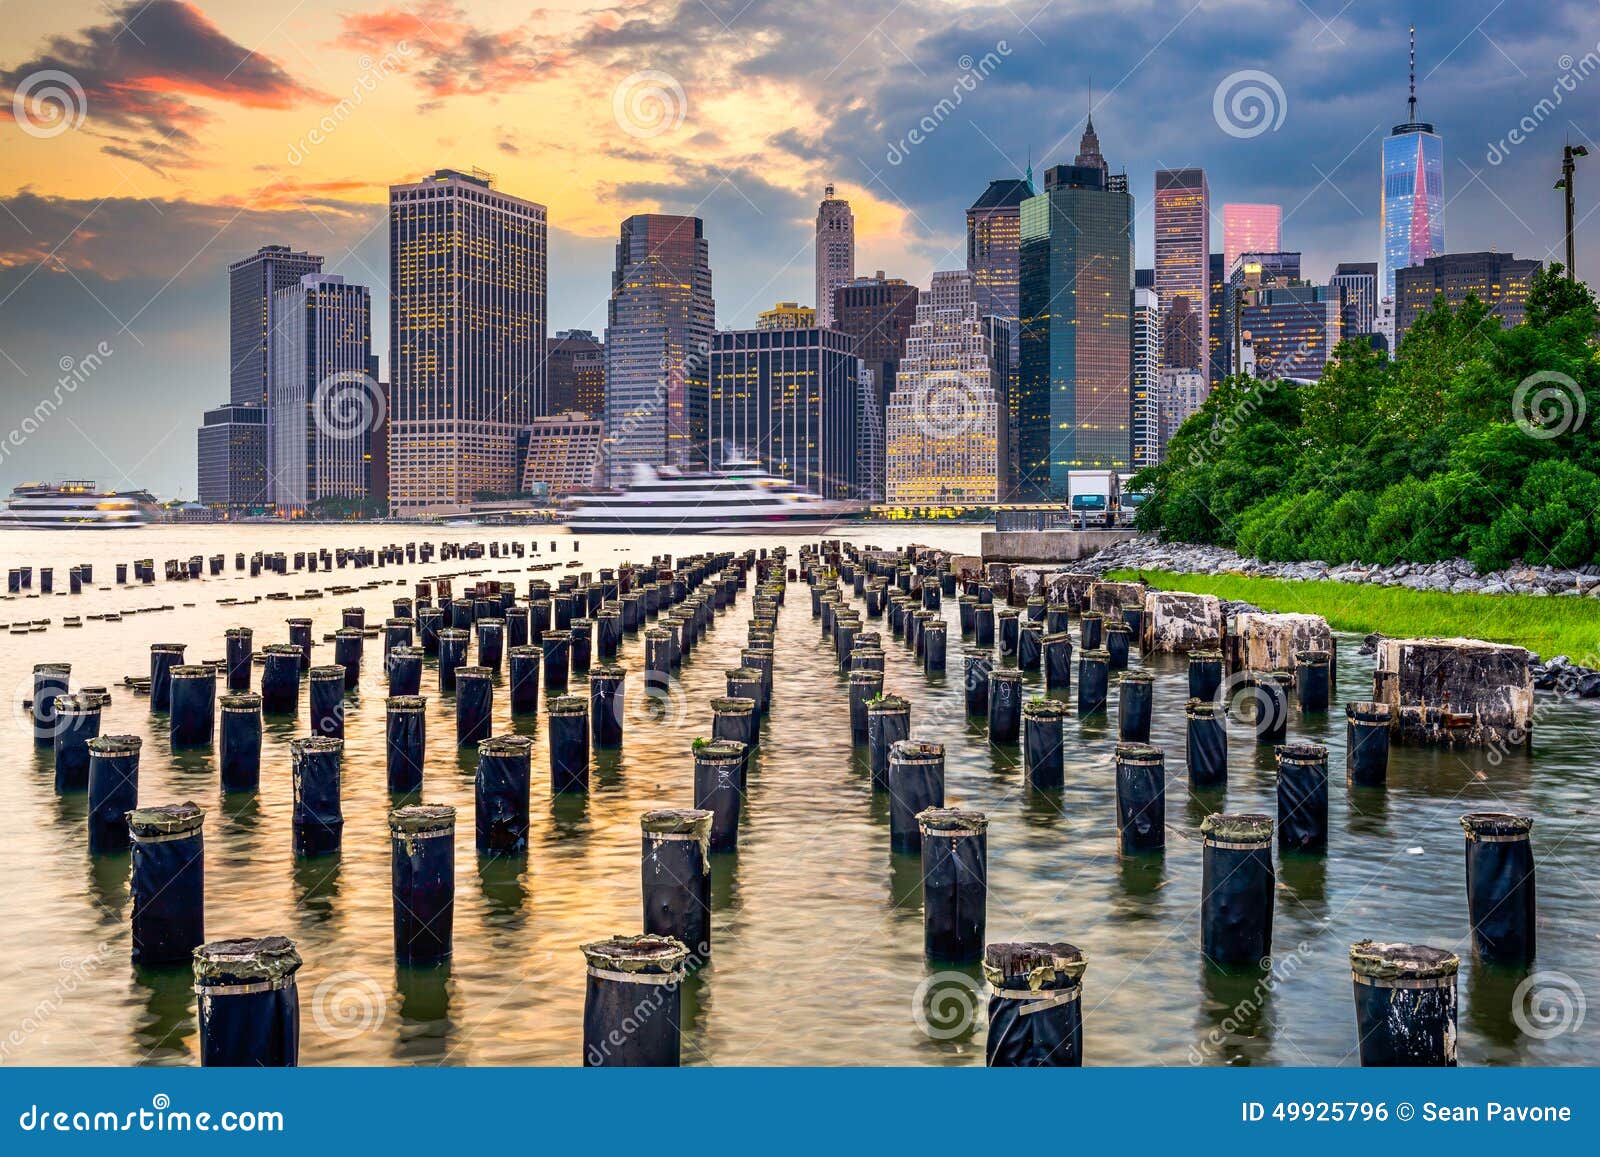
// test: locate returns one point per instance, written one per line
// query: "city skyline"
(144, 271)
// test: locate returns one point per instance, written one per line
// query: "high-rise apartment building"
(1146, 409)
(947, 434)
(467, 296)
(575, 373)
(562, 453)
(323, 402)
(1075, 298)
(1499, 280)
(1293, 329)
(788, 399)
(1411, 209)
(233, 460)
(660, 324)
(1183, 267)
(1357, 282)
(1181, 394)
(877, 313)
(835, 252)
(252, 283)
(994, 248)
(1217, 313)
(1250, 229)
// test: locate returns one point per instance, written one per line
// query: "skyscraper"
(467, 286)
(251, 286)
(1183, 267)
(836, 252)
(233, 459)
(877, 313)
(1250, 229)
(1075, 297)
(1217, 276)
(1146, 409)
(994, 245)
(575, 369)
(788, 398)
(1499, 280)
(947, 432)
(1411, 210)
(660, 323)
(1357, 283)
(323, 404)
(787, 315)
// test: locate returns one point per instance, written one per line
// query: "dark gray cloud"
(138, 76)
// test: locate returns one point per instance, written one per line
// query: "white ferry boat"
(742, 496)
(75, 505)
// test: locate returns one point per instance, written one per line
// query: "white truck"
(1093, 496)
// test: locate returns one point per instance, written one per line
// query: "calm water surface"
(817, 935)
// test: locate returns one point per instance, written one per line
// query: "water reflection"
(161, 1036)
(425, 1033)
(1234, 1026)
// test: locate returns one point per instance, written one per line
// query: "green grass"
(1548, 626)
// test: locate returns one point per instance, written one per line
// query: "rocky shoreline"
(1455, 576)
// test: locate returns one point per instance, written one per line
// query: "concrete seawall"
(1049, 545)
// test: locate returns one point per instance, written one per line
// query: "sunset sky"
(194, 133)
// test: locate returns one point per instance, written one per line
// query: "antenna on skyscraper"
(1030, 168)
(1412, 103)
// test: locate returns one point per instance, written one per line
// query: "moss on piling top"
(291, 648)
(888, 701)
(1205, 657)
(83, 703)
(1204, 709)
(718, 749)
(246, 960)
(1138, 677)
(733, 705)
(405, 703)
(1040, 707)
(314, 745)
(1140, 753)
(569, 705)
(916, 751)
(1376, 960)
(1036, 966)
(742, 674)
(421, 819)
(1237, 827)
(168, 819)
(952, 821)
(1476, 824)
(115, 745)
(608, 671)
(1301, 753)
(328, 671)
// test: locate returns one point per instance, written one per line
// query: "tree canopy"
(1473, 441)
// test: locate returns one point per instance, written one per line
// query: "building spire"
(1030, 168)
(1411, 104)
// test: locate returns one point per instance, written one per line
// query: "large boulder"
(1260, 641)
(1456, 692)
(1179, 621)
(1109, 598)
(1071, 588)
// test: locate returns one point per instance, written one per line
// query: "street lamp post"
(1569, 155)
